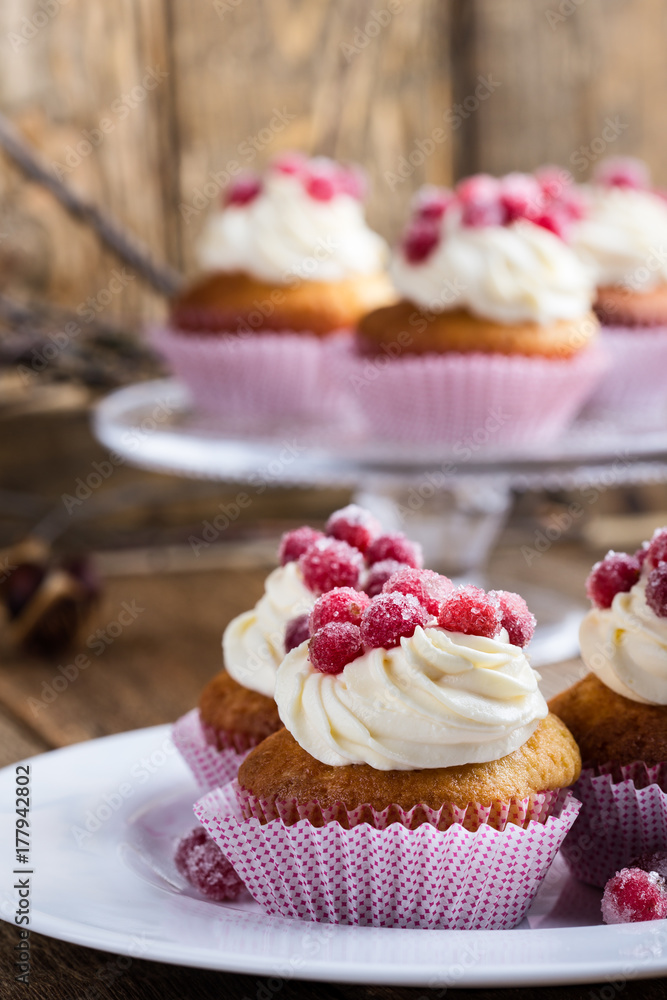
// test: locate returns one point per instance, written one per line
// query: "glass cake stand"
(453, 500)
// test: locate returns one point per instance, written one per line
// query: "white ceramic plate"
(114, 887)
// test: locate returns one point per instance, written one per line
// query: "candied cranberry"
(352, 181)
(615, 574)
(521, 196)
(343, 604)
(420, 240)
(354, 525)
(471, 611)
(516, 618)
(199, 860)
(379, 573)
(480, 200)
(296, 632)
(431, 203)
(389, 617)
(290, 163)
(320, 186)
(329, 563)
(622, 171)
(656, 590)
(641, 553)
(657, 548)
(553, 181)
(243, 190)
(655, 862)
(294, 543)
(633, 895)
(555, 220)
(428, 587)
(396, 547)
(334, 646)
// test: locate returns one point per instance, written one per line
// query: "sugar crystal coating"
(516, 618)
(633, 895)
(471, 611)
(199, 860)
(294, 543)
(243, 190)
(657, 548)
(389, 617)
(342, 604)
(335, 645)
(395, 546)
(656, 590)
(614, 574)
(654, 862)
(296, 632)
(379, 573)
(428, 587)
(354, 525)
(328, 563)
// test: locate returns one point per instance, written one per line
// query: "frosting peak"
(438, 699)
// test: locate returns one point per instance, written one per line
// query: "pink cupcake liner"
(394, 877)
(633, 391)
(210, 766)
(258, 376)
(493, 399)
(623, 815)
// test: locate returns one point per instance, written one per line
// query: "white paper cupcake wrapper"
(633, 391)
(210, 766)
(394, 877)
(623, 815)
(256, 377)
(453, 398)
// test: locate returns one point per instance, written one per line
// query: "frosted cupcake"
(618, 714)
(621, 239)
(288, 262)
(417, 750)
(495, 317)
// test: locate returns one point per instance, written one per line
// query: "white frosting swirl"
(508, 274)
(252, 643)
(623, 237)
(439, 699)
(284, 232)
(626, 646)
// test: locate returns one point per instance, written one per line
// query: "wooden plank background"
(141, 101)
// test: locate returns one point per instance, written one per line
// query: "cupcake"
(419, 780)
(494, 322)
(236, 710)
(621, 240)
(618, 715)
(287, 263)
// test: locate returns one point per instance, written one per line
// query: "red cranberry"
(432, 203)
(656, 590)
(471, 611)
(320, 187)
(516, 618)
(615, 574)
(352, 181)
(343, 604)
(243, 190)
(395, 546)
(292, 164)
(294, 543)
(428, 587)
(334, 646)
(655, 862)
(354, 525)
(329, 563)
(379, 573)
(420, 240)
(624, 172)
(388, 618)
(657, 548)
(633, 895)
(296, 632)
(199, 860)
(521, 196)
(480, 200)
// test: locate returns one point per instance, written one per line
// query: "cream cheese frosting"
(623, 237)
(252, 643)
(508, 274)
(625, 645)
(439, 699)
(284, 232)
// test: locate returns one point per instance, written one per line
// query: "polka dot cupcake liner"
(633, 390)
(391, 877)
(623, 815)
(197, 745)
(249, 379)
(462, 398)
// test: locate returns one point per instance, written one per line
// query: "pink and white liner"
(197, 745)
(633, 390)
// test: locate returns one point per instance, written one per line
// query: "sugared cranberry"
(320, 186)
(480, 200)
(615, 574)
(471, 611)
(420, 240)
(553, 181)
(555, 220)
(395, 546)
(294, 543)
(516, 618)
(431, 203)
(389, 617)
(292, 164)
(656, 590)
(354, 525)
(657, 548)
(243, 190)
(352, 181)
(296, 632)
(641, 553)
(329, 563)
(343, 604)
(624, 172)
(334, 646)
(199, 860)
(633, 895)
(428, 587)
(655, 862)
(521, 196)
(379, 573)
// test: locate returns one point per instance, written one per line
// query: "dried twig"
(161, 276)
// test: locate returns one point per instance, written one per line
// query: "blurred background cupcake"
(494, 321)
(622, 238)
(288, 263)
